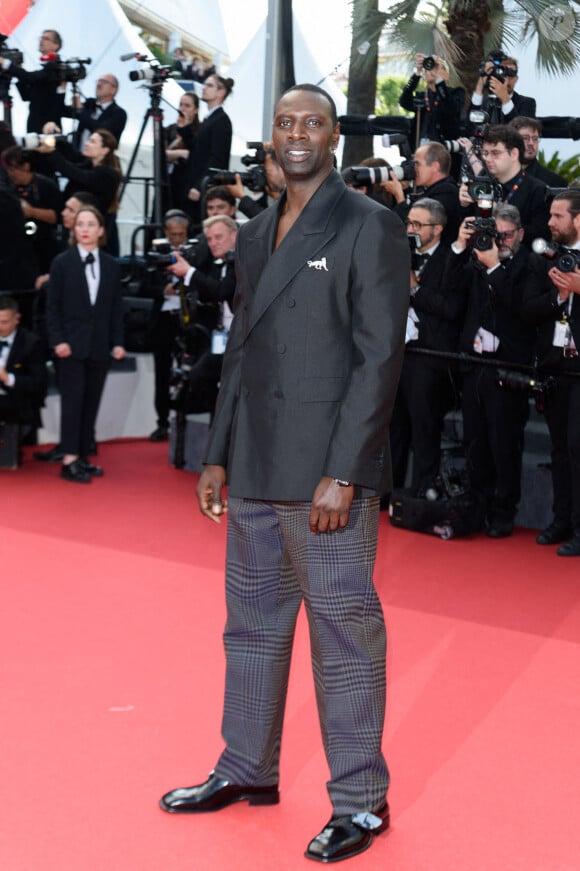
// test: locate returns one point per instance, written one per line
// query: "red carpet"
(112, 675)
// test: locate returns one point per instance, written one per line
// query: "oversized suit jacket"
(91, 330)
(26, 363)
(315, 350)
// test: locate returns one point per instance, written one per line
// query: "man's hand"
(237, 190)
(565, 282)
(180, 268)
(488, 258)
(499, 90)
(63, 350)
(118, 352)
(464, 198)
(330, 507)
(3, 375)
(465, 234)
(209, 492)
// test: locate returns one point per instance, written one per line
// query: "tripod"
(160, 184)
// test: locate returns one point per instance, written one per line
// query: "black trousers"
(81, 384)
(423, 398)
(563, 417)
(163, 338)
(493, 431)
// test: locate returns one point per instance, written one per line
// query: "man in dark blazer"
(100, 112)
(41, 88)
(433, 323)
(495, 94)
(308, 384)
(530, 129)
(554, 307)
(22, 369)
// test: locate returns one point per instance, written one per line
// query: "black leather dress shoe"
(53, 455)
(75, 472)
(500, 529)
(570, 547)
(94, 471)
(343, 837)
(161, 434)
(554, 533)
(215, 794)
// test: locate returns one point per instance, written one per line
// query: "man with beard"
(555, 308)
(301, 425)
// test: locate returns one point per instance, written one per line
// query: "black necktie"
(89, 260)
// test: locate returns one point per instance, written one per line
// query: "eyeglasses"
(495, 152)
(531, 138)
(417, 225)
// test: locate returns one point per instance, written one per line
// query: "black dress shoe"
(554, 533)
(53, 455)
(343, 837)
(161, 434)
(500, 529)
(215, 794)
(94, 471)
(75, 472)
(570, 547)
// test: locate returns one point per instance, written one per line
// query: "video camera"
(161, 254)
(73, 70)
(11, 54)
(565, 259)
(538, 388)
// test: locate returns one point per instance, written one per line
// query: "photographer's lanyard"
(515, 186)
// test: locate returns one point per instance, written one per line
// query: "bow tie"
(89, 261)
(4, 344)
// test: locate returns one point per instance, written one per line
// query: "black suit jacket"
(315, 351)
(545, 175)
(541, 307)
(446, 192)
(39, 88)
(26, 362)
(525, 106)
(211, 146)
(443, 121)
(113, 118)
(438, 307)
(91, 330)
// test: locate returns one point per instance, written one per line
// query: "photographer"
(494, 92)
(211, 290)
(100, 112)
(43, 88)
(252, 202)
(178, 142)
(432, 165)
(554, 307)
(425, 389)
(492, 269)
(503, 153)
(438, 108)
(530, 129)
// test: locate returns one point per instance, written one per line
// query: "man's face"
(8, 322)
(304, 136)
(502, 164)
(564, 227)
(106, 89)
(420, 223)
(176, 233)
(425, 174)
(46, 43)
(69, 212)
(510, 238)
(220, 239)
(19, 175)
(219, 207)
(531, 141)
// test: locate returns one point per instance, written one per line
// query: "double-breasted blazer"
(91, 330)
(315, 350)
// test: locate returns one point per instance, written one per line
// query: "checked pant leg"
(348, 646)
(263, 600)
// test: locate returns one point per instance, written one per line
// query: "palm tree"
(463, 32)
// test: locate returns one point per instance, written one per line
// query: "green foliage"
(569, 168)
(389, 90)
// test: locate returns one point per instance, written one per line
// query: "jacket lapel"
(271, 271)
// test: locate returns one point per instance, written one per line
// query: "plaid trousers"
(273, 564)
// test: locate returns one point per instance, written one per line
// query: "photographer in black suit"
(42, 88)
(554, 307)
(495, 90)
(437, 109)
(22, 369)
(434, 320)
(98, 113)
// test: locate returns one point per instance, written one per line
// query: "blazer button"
(291, 303)
(279, 394)
(281, 348)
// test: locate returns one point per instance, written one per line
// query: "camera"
(259, 157)
(11, 54)
(254, 178)
(73, 69)
(485, 233)
(429, 62)
(539, 388)
(161, 254)
(499, 71)
(565, 259)
(33, 140)
(377, 174)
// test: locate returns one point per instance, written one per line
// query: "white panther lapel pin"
(318, 264)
